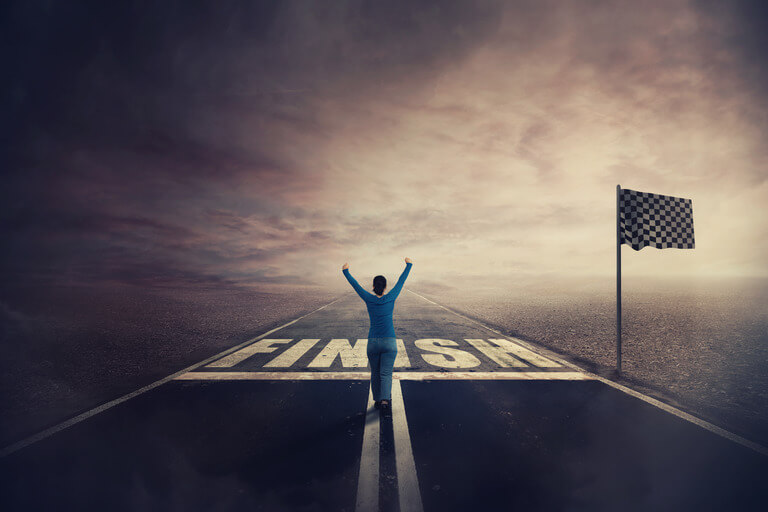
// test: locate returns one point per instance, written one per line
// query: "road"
(481, 421)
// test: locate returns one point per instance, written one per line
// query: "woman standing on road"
(382, 343)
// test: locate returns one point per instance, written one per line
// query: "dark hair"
(379, 283)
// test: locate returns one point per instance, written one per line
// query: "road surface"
(481, 421)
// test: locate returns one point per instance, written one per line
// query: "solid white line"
(645, 398)
(80, 417)
(224, 376)
(368, 477)
(407, 480)
(490, 376)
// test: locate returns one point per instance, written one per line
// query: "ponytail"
(379, 283)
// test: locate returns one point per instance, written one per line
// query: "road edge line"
(645, 398)
(18, 445)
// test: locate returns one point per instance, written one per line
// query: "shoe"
(386, 409)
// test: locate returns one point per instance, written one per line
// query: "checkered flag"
(656, 220)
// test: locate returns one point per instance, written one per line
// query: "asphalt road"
(480, 422)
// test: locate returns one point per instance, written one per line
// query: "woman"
(382, 343)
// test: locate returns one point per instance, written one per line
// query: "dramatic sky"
(267, 143)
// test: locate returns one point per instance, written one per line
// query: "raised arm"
(359, 289)
(396, 289)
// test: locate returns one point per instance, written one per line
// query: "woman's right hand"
(408, 260)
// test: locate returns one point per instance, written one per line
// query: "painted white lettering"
(292, 354)
(497, 354)
(264, 346)
(461, 359)
(525, 354)
(401, 360)
(350, 357)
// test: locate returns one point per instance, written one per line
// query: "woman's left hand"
(346, 265)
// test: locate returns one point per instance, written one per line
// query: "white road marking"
(491, 376)
(292, 354)
(461, 359)
(224, 376)
(495, 354)
(368, 477)
(502, 353)
(548, 353)
(524, 353)
(407, 480)
(350, 357)
(80, 417)
(498, 350)
(264, 346)
(401, 360)
(661, 405)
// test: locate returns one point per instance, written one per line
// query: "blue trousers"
(381, 355)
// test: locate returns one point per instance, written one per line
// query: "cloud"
(268, 143)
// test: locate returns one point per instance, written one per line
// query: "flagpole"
(618, 282)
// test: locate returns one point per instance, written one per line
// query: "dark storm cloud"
(38, 222)
(228, 220)
(132, 69)
(261, 142)
(746, 33)
(126, 120)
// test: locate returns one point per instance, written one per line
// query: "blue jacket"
(380, 308)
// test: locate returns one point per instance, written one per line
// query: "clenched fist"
(408, 260)
(346, 265)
